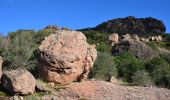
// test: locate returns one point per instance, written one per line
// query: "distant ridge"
(132, 25)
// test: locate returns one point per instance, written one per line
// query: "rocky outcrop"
(114, 38)
(144, 39)
(129, 37)
(155, 38)
(66, 57)
(1, 61)
(135, 37)
(132, 25)
(159, 38)
(19, 82)
(137, 48)
(126, 37)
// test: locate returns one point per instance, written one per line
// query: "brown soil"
(100, 90)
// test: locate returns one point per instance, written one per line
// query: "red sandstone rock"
(66, 57)
(19, 82)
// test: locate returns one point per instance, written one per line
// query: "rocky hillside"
(96, 64)
(132, 25)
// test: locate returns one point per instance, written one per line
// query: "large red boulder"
(66, 57)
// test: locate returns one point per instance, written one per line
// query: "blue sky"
(76, 14)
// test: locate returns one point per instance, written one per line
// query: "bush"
(159, 70)
(21, 49)
(141, 78)
(98, 38)
(39, 36)
(103, 47)
(166, 36)
(127, 65)
(152, 45)
(3, 44)
(104, 67)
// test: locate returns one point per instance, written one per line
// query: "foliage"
(164, 44)
(127, 65)
(104, 67)
(2, 94)
(166, 36)
(152, 45)
(131, 25)
(141, 78)
(3, 44)
(166, 57)
(98, 38)
(21, 49)
(159, 70)
(39, 36)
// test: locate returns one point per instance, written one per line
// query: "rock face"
(160, 38)
(19, 82)
(126, 37)
(137, 48)
(1, 61)
(155, 38)
(132, 25)
(152, 38)
(144, 39)
(66, 57)
(114, 38)
(135, 37)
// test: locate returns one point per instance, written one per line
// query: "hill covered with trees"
(132, 25)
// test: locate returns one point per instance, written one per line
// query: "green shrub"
(141, 78)
(100, 39)
(39, 36)
(166, 36)
(127, 65)
(2, 94)
(103, 47)
(104, 67)
(3, 44)
(164, 44)
(152, 45)
(21, 49)
(166, 57)
(159, 70)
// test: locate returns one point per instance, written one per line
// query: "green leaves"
(104, 67)
(127, 65)
(21, 48)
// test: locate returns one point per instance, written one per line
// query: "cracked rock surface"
(66, 57)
